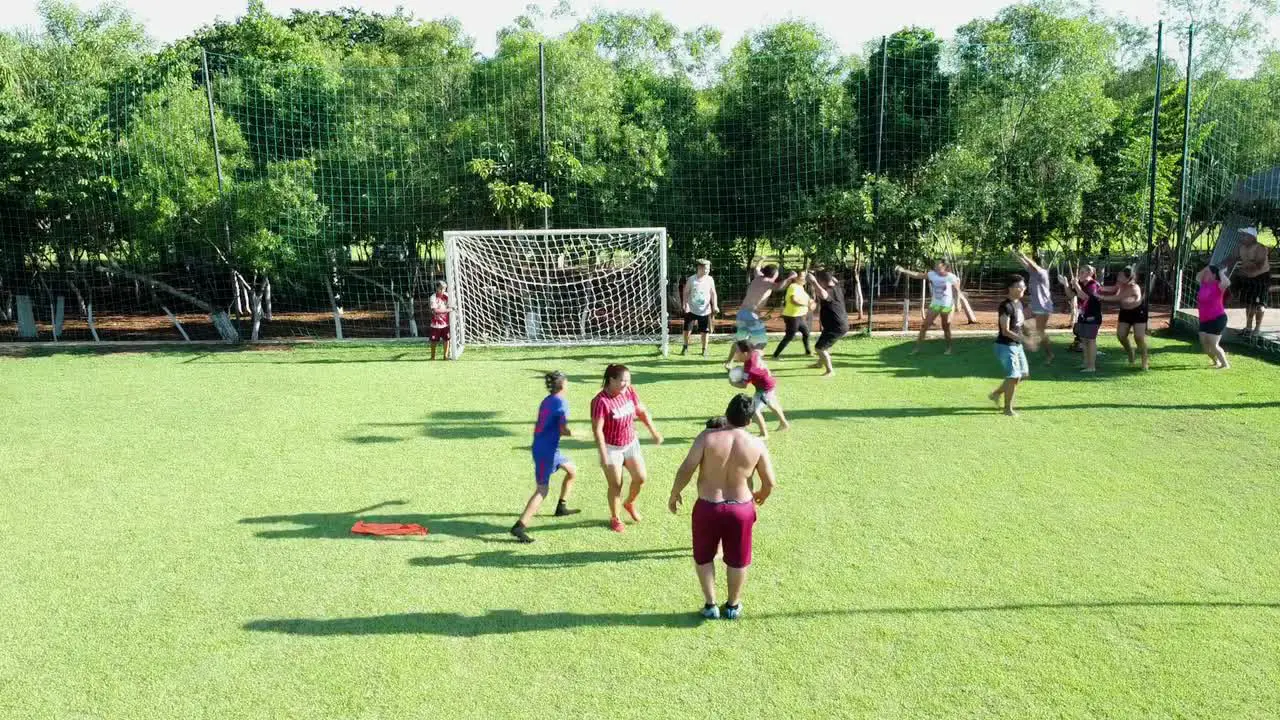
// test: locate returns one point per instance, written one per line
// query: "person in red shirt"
(613, 422)
(755, 373)
(440, 308)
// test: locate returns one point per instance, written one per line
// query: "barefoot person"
(1134, 314)
(440, 309)
(796, 306)
(725, 459)
(833, 316)
(764, 280)
(1211, 306)
(553, 424)
(1253, 279)
(1089, 321)
(757, 374)
(700, 302)
(613, 416)
(1040, 299)
(1009, 343)
(945, 287)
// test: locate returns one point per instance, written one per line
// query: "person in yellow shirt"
(798, 304)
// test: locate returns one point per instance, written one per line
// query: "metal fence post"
(1155, 157)
(1186, 177)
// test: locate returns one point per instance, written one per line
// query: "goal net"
(557, 287)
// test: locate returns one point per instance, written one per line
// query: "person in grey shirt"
(1040, 299)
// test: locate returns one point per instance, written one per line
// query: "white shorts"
(618, 455)
(762, 400)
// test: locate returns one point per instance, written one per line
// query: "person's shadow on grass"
(495, 622)
(508, 559)
(503, 622)
(337, 525)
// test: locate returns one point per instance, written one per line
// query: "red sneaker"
(617, 526)
(631, 510)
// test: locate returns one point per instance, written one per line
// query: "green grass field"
(175, 542)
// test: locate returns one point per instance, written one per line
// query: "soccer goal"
(557, 287)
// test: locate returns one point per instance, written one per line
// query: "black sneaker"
(562, 510)
(520, 533)
(684, 350)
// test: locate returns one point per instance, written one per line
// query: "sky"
(849, 22)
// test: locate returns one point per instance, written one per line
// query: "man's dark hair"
(769, 270)
(1014, 279)
(718, 422)
(555, 381)
(823, 277)
(1128, 272)
(741, 408)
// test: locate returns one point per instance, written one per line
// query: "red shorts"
(728, 523)
(438, 334)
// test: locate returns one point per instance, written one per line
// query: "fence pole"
(875, 198)
(217, 166)
(1155, 156)
(542, 98)
(1186, 177)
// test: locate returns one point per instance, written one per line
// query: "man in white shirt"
(699, 301)
(945, 286)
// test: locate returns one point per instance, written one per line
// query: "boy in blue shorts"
(1013, 359)
(553, 423)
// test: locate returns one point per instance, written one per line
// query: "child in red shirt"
(758, 375)
(440, 318)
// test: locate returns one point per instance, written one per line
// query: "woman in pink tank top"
(1211, 304)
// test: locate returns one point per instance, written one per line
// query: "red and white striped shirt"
(619, 415)
(440, 310)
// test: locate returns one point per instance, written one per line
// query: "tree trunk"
(857, 291)
(174, 319)
(254, 302)
(333, 303)
(924, 290)
(26, 318)
(413, 317)
(906, 313)
(222, 322)
(59, 314)
(87, 309)
(237, 302)
(397, 319)
(963, 300)
(266, 296)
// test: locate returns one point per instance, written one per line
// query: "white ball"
(737, 376)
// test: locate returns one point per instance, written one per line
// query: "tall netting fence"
(1233, 184)
(221, 197)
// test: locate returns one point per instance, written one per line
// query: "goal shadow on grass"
(505, 622)
(337, 525)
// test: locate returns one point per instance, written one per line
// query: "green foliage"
(352, 134)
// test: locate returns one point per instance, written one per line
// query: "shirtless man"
(1133, 313)
(764, 280)
(725, 458)
(1253, 279)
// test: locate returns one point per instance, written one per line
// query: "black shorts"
(701, 323)
(1136, 316)
(828, 338)
(1253, 291)
(1214, 327)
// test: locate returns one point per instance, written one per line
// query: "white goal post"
(557, 287)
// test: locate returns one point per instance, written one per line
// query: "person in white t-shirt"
(700, 303)
(945, 287)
